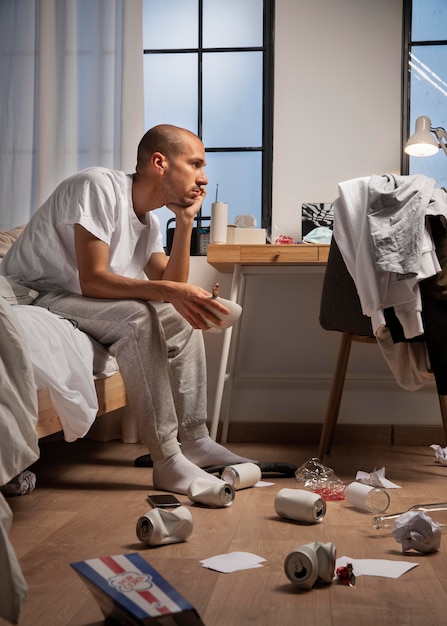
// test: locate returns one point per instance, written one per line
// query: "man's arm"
(177, 267)
(97, 282)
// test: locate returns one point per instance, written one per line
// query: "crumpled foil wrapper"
(314, 476)
(416, 530)
(22, 484)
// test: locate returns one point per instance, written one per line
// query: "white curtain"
(71, 95)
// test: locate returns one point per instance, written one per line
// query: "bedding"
(63, 363)
(40, 352)
(18, 447)
(14, 293)
(65, 360)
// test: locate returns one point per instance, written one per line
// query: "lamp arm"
(441, 136)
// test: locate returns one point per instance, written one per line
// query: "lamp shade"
(422, 143)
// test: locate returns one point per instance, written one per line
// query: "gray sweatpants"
(161, 359)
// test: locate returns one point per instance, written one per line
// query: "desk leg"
(233, 352)
(222, 374)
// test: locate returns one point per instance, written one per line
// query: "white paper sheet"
(376, 567)
(233, 562)
(263, 483)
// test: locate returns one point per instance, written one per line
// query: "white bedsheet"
(18, 447)
(62, 358)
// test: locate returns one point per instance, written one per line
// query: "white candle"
(219, 221)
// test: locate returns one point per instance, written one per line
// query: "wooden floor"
(89, 496)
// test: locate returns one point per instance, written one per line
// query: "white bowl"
(227, 320)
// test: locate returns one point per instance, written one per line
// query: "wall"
(337, 98)
(337, 116)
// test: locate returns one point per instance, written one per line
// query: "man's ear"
(159, 161)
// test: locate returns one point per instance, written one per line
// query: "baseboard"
(419, 435)
(251, 432)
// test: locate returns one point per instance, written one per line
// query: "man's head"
(175, 158)
(169, 140)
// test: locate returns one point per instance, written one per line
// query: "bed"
(54, 379)
(76, 379)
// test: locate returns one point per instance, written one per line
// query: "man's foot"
(176, 473)
(205, 452)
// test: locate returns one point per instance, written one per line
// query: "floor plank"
(89, 496)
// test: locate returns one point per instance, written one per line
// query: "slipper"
(144, 461)
(267, 467)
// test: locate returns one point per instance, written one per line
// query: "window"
(425, 78)
(208, 66)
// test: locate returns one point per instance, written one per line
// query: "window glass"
(429, 20)
(428, 66)
(232, 23)
(428, 80)
(205, 63)
(433, 167)
(238, 175)
(170, 24)
(171, 92)
(232, 99)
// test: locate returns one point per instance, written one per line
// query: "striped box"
(130, 592)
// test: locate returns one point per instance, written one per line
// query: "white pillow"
(14, 293)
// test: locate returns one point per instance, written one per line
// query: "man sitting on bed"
(86, 251)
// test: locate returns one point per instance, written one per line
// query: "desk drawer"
(279, 254)
(225, 256)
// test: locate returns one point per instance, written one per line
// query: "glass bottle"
(437, 512)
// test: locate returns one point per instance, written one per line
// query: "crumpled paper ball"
(375, 478)
(440, 453)
(314, 476)
(416, 530)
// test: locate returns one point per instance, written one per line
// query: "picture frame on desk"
(315, 215)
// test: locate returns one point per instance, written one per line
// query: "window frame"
(408, 44)
(266, 149)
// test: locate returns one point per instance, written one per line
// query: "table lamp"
(423, 142)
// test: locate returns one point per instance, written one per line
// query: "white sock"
(176, 473)
(205, 452)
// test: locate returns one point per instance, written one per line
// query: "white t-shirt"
(100, 200)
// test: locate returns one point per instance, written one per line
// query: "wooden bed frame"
(111, 396)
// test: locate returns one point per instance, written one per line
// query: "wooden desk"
(224, 257)
(244, 260)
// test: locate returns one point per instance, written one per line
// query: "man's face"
(185, 177)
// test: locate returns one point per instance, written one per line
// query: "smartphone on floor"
(163, 500)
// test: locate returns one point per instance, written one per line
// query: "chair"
(340, 310)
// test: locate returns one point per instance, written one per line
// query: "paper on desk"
(376, 567)
(440, 453)
(376, 479)
(263, 483)
(232, 562)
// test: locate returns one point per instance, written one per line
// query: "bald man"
(94, 253)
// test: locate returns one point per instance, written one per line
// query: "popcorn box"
(132, 593)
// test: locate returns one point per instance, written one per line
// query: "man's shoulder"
(99, 174)
(93, 182)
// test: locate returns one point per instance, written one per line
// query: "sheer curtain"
(71, 95)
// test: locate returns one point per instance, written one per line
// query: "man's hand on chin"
(188, 210)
